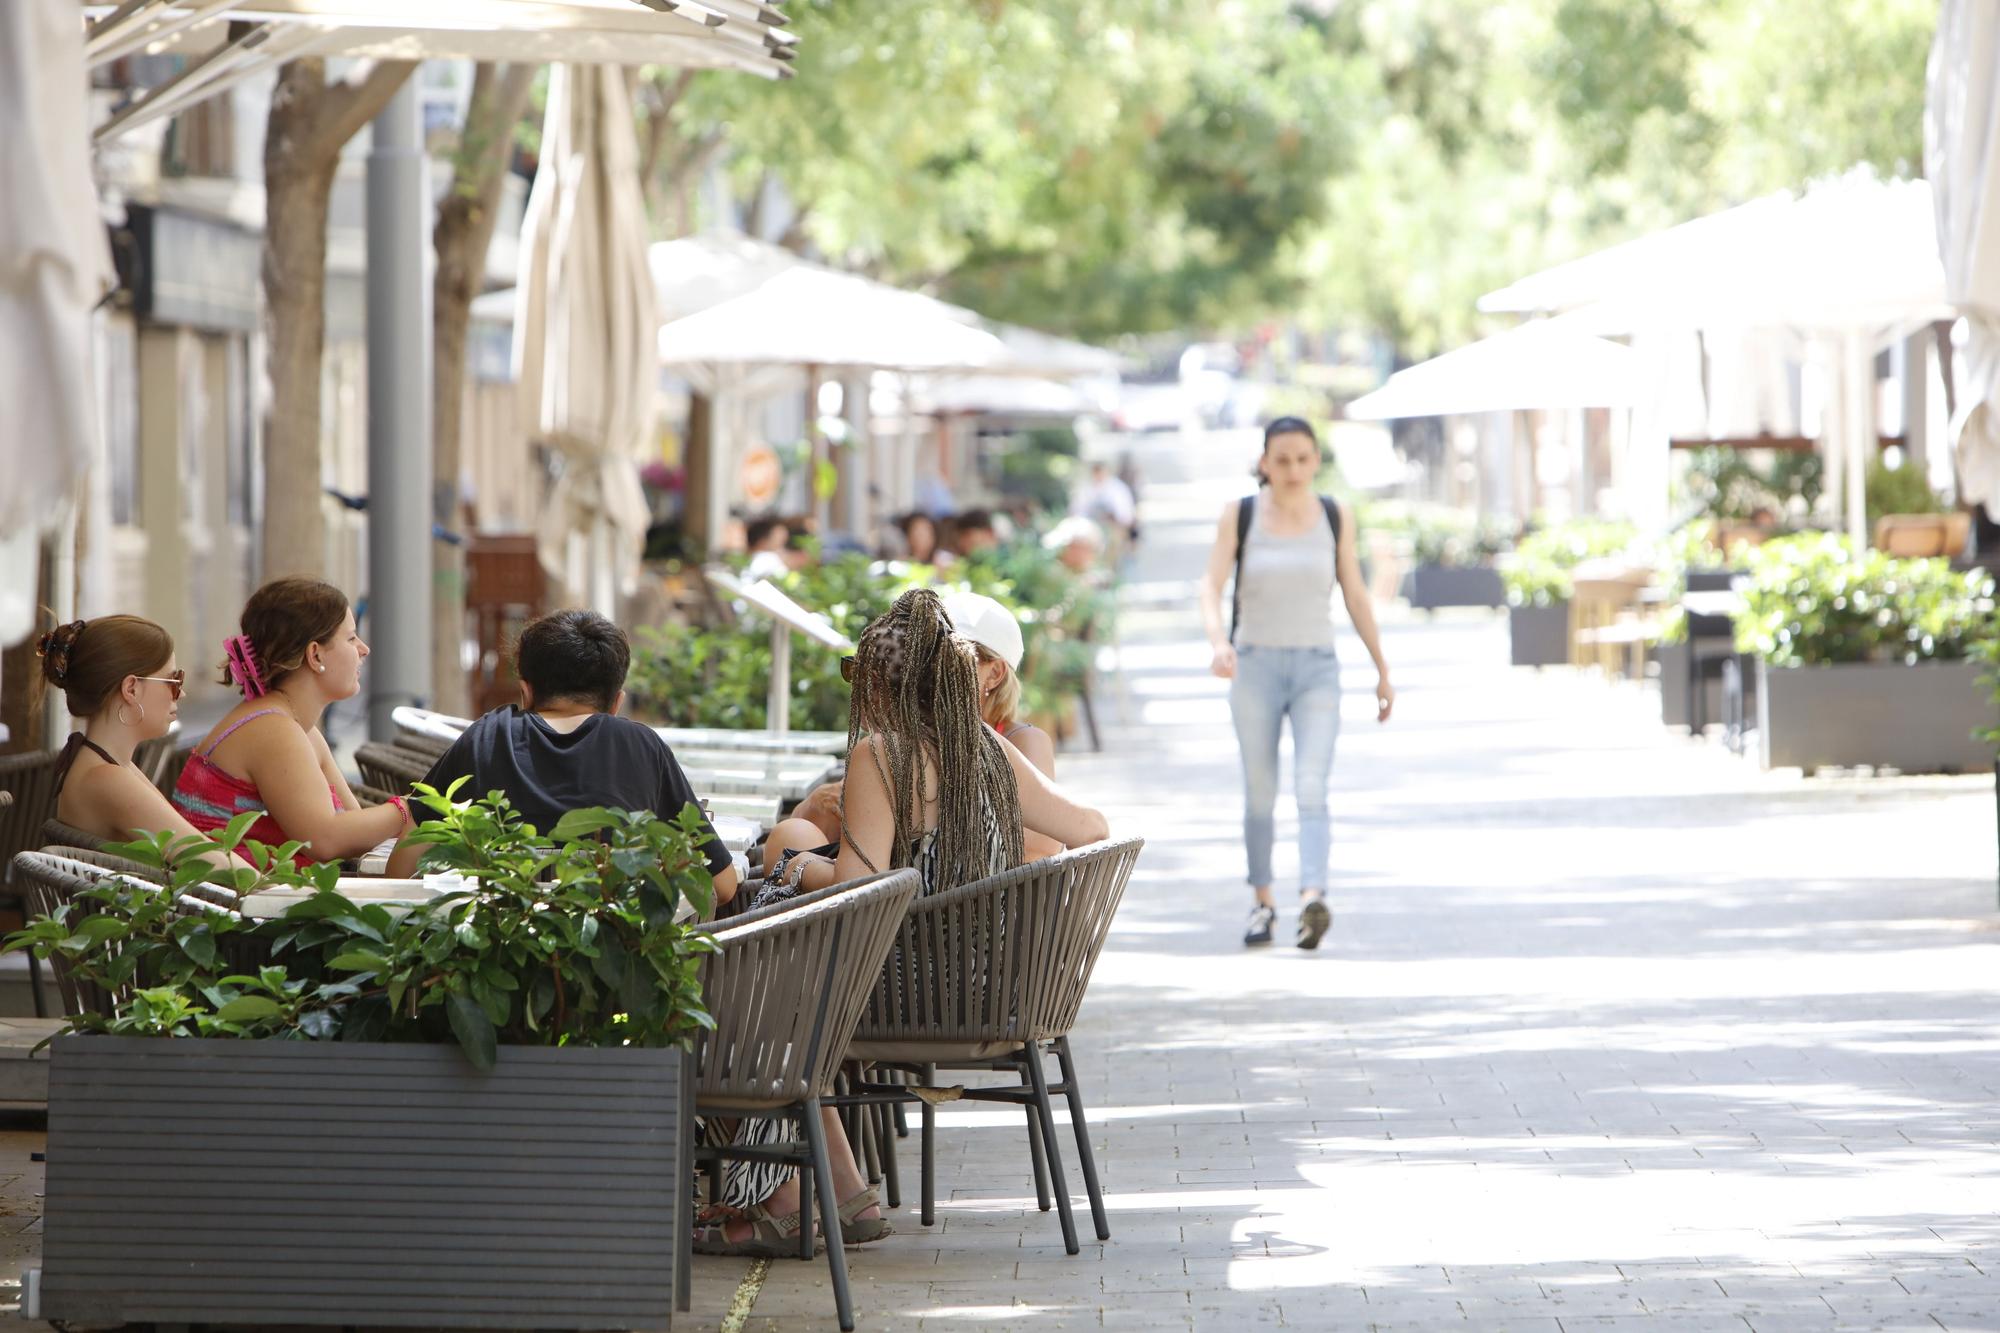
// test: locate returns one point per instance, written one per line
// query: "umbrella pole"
(1859, 420)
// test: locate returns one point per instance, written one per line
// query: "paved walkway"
(1612, 1032)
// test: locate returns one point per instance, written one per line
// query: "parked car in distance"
(1151, 405)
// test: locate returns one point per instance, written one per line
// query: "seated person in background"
(767, 538)
(563, 748)
(298, 654)
(119, 675)
(973, 532)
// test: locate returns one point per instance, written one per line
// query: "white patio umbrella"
(54, 267)
(1536, 366)
(1961, 141)
(812, 316)
(583, 345)
(1852, 265)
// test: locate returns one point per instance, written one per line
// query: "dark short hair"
(1289, 426)
(757, 529)
(573, 655)
(976, 520)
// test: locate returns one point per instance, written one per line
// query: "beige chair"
(986, 976)
(391, 768)
(786, 990)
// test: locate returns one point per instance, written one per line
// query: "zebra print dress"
(747, 1184)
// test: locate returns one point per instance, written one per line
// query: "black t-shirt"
(609, 761)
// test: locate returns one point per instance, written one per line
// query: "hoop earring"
(125, 721)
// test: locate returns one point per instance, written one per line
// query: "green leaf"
(359, 960)
(473, 1029)
(246, 1008)
(582, 823)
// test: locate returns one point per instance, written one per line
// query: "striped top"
(208, 796)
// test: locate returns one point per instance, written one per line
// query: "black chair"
(1711, 645)
(29, 780)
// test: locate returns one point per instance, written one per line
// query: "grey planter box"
(1918, 718)
(1538, 635)
(1434, 586)
(276, 1182)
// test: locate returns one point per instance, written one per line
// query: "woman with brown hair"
(298, 653)
(119, 675)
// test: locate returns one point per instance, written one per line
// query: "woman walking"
(1288, 548)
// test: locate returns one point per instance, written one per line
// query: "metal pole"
(399, 426)
(779, 703)
(1862, 446)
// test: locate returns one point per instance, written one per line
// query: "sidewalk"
(1612, 1031)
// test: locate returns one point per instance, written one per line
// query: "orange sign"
(761, 475)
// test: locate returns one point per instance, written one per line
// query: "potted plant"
(468, 1110)
(1908, 518)
(1537, 577)
(1452, 556)
(1865, 660)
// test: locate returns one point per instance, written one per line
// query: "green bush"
(1725, 484)
(563, 938)
(1813, 599)
(1901, 490)
(1539, 571)
(1435, 535)
(684, 676)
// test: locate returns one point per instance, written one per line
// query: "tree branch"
(348, 105)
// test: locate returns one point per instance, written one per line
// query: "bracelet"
(402, 807)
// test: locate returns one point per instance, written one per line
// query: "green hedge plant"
(1813, 599)
(1539, 573)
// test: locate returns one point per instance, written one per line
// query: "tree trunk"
(298, 192)
(310, 122)
(465, 223)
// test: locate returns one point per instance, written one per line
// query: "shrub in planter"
(1863, 658)
(345, 1132)
(1539, 583)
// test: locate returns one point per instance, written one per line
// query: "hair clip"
(242, 663)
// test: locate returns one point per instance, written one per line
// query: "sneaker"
(1262, 918)
(1314, 920)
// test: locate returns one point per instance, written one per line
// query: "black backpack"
(1246, 509)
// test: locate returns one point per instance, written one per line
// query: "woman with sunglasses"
(118, 673)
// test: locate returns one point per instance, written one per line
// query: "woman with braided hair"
(929, 784)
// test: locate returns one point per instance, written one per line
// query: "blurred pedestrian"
(1288, 549)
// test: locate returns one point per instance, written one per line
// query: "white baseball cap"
(987, 623)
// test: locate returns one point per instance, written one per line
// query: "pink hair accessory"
(242, 657)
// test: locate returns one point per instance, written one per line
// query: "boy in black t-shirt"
(564, 748)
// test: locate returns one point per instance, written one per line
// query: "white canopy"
(810, 316)
(1853, 254)
(735, 34)
(54, 267)
(1538, 365)
(1961, 142)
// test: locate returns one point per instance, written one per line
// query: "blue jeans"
(1270, 684)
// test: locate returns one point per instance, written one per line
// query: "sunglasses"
(178, 681)
(847, 668)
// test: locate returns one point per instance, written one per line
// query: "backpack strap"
(1332, 507)
(1245, 508)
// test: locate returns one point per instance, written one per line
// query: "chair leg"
(885, 1150)
(1049, 1145)
(815, 1137)
(829, 1216)
(902, 1121)
(929, 1131)
(1035, 1153)
(1083, 1152)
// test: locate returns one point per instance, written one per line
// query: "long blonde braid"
(916, 689)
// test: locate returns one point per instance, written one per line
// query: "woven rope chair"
(170, 768)
(54, 877)
(416, 742)
(55, 833)
(983, 977)
(30, 780)
(390, 768)
(786, 990)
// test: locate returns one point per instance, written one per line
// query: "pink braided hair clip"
(242, 659)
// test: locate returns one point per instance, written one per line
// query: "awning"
(1536, 366)
(732, 34)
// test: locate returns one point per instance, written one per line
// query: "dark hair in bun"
(88, 659)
